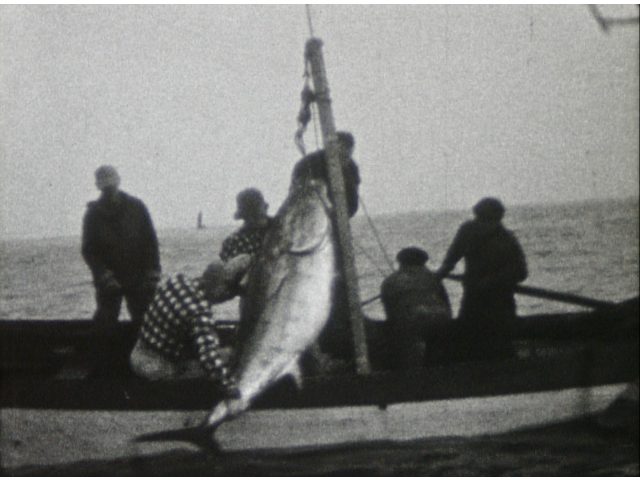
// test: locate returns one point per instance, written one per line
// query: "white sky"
(531, 103)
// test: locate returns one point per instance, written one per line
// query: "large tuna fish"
(288, 297)
(286, 306)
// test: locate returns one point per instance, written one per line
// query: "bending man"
(179, 336)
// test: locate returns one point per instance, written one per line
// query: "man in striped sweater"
(179, 336)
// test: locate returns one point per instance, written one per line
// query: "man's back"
(417, 307)
(413, 288)
(494, 259)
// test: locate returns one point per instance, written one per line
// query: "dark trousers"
(109, 305)
(484, 325)
(112, 353)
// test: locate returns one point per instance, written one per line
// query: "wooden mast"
(346, 268)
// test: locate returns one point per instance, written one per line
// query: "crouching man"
(418, 312)
(179, 337)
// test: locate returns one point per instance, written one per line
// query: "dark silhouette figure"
(494, 265)
(418, 311)
(120, 246)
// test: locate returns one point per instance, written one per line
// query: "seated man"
(179, 338)
(418, 311)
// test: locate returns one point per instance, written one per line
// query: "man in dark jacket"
(418, 311)
(494, 265)
(314, 166)
(120, 246)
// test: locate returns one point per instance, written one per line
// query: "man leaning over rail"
(179, 336)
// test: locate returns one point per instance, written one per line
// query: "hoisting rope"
(307, 97)
(305, 114)
(308, 9)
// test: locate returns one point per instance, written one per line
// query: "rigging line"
(313, 109)
(376, 235)
(308, 9)
(368, 256)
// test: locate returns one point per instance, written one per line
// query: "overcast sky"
(531, 103)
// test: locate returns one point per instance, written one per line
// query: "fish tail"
(219, 413)
(201, 436)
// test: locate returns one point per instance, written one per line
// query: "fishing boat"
(568, 366)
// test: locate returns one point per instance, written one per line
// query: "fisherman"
(120, 246)
(335, 340)
(494, 264)
(179, 336)
(314, 166)
(418, 311)
(252, 209)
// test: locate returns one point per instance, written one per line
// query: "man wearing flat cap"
(252, 209)
(120, 246)
(417, 308)
(494, 264)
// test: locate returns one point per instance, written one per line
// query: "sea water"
(586, 248)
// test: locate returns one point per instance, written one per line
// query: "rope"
(307, 97)
(376, 235)
(306, 112)
(308, 9)
(366, 255)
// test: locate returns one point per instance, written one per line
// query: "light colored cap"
(107, 176)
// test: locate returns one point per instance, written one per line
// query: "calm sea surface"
(588, 248)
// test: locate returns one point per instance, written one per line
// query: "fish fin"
(202, 435)
(219, 414)
(295, 372)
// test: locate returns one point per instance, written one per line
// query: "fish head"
(308, 222)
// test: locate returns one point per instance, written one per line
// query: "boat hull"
(66, 420)
(54, 409)
(39, 438)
